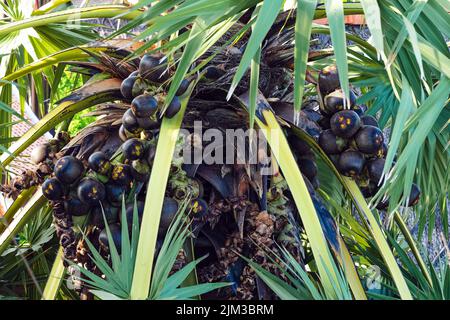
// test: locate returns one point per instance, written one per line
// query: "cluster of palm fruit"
(353, 140)
(96, 186)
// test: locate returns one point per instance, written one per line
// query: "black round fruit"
(133, 149)
(126, 88)
(152, 68)
(121, 174)
(173, 108)
(68, 169)
(124, 134)
(414, 195)
(53, 189)
(130, 213)
(115, 193)
(169, 211)
(382, 151)
(345, 123)
(369, 120)
(334, 102)
(330, 143)
(75, 207)
(375, 169)
(299, 146)
(369, 190)
(351, 163)
(144, 106)
(199, 208)
(324, 123)
(214, 72)
(369, 139)
(99, 213)
(383, 205)
(147, 123)
(360, 110)
(40, 153)
(328, 79)
(184, 85)
(116, 235)
(130, 123)
(91, 191)
(99, 162)
(308, 168)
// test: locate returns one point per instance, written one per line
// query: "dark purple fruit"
(334, 102)
(414, 195)
(383, 205)
(308, 168)
(169, 211)
(124, 134)
(91, 191)
(199, 208)
(130, 212)
(153, 68)
(173, 108)
(130, 123)
(53, 189)
(184, 85)
(144, 106)
(116, 235)
(330, 143)
(328, 79)
(133, 149)
(40, 153)
(115, 193)
(68, 169)
(369, 139)
(140, 170)
(75, 207)
(369, 190)
(147, 123)
(324, 123)
(345, 123)
(375, 170)
(126, 88)
(351, 163)
(369, 120)
(121, 174)
(99, 162)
